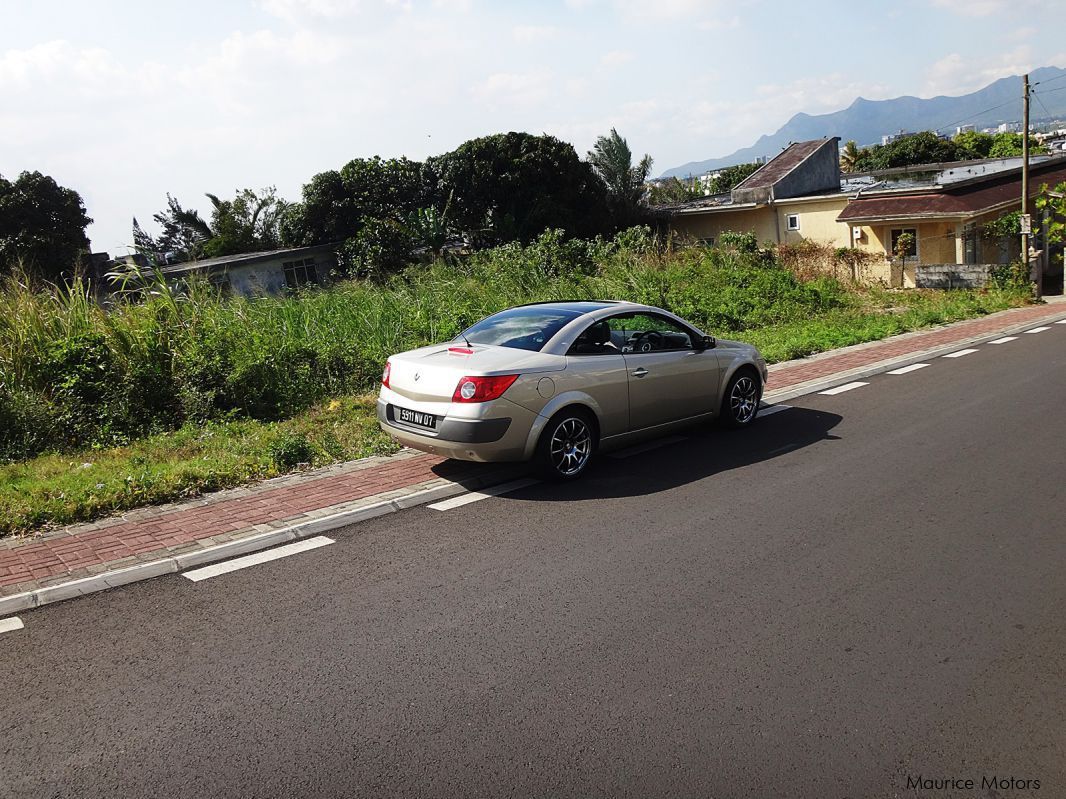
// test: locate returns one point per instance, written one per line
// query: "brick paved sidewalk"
(150, 534)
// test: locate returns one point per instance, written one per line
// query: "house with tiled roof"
(801, 195)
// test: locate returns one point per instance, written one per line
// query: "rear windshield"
(528, 328)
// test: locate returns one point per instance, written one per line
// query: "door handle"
(640, 372)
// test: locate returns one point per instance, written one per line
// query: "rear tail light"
(482, 389)
(386, 373)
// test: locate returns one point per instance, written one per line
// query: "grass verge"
(86, 484)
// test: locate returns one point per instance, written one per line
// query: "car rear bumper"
(491, 439)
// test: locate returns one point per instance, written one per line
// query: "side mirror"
(708, 342)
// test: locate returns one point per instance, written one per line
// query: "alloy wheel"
(744, 400)
(570, 446)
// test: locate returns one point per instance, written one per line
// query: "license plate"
(417, 418)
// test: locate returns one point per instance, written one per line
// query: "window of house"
(912, 250)
(300, 273)
(792, 221)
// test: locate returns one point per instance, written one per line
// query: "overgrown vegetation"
(172, 391)
(928, 148)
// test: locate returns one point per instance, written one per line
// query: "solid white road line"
(1004, 340)
(770, 410)
(477, 496)
(207, 572)
(638, 449)
(843, 388)
(11, 624)
(914, 367)
(1038, 329)
(959, 354)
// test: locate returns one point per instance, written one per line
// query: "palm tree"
(612, 160)
(849, 158)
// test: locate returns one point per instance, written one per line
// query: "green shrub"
(741, 242)
(291, 449)
(1012, 276)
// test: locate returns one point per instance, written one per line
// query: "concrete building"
(259, 273)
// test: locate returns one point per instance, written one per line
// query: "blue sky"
(125, 101)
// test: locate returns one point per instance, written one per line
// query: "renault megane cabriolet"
(556, 381)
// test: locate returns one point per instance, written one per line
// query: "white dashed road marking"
(960, 353)
(914, 367)
(843, 388)
(1061, 322)
(11, 624)
(1004, 340)
(1038, 329)
(770, 410)
(259, 557)
(629, 452)
(475, 496)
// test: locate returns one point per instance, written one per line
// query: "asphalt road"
(866, 589)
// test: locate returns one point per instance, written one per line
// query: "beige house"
(799, 195)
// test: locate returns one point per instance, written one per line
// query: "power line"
(1037, 96)
(1050, 80)
(1052, 91)
(979, 113)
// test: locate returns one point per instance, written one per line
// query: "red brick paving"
(803, 371)
(24, 563)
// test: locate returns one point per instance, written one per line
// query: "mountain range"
(866, 121)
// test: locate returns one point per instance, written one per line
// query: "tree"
(337, 204)
(916, 148)
(849, 158)
(513, 186)
(971, 144)
(672, 191)
(612, 160)
(42, 226)
(729, 178)
(1009, 145)
(247, 223)
(1051, 203)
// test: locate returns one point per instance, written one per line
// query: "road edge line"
(862, 372)
(83, 586)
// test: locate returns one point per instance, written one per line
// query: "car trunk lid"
(430, 374)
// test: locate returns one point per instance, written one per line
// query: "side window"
(596, 340)
(641, 332)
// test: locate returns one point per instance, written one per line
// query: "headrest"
(599, 333)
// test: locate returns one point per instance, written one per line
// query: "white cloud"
(516, 88)
(704, 14)
(616, 58)
(297, 11)
(976, 8)
(954, 75)
(534, 33)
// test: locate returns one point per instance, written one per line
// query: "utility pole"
(1037, 278)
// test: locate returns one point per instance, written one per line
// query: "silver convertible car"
(555, 381)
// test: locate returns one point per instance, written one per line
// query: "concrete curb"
(254, 543)
(869, 370)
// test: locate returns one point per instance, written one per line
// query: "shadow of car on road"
(705, 451)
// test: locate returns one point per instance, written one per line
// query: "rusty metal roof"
(780, 165)
(972, 199)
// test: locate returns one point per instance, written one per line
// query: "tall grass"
(76, 373)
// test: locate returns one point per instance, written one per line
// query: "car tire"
(740, 403)
(567, 445)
